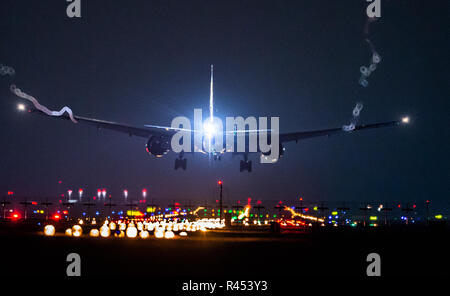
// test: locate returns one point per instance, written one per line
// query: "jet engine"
(157, 146)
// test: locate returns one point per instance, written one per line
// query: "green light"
(230, 211)
(274, 216)
(251, 215)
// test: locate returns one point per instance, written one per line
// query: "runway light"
(159, 233)
(169, 234)
(131, 231)
(68, 232)
(183, 233)
(77, 231)
(49, 230)
(94, 232)
(144, 234)
(104, 231)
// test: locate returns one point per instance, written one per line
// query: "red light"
(301, 198)
(16, 216)
(414, 206)
(59, 182)
(220, 182)
(65, 212)
(56, 216)
(258, 202)
(34, 203)
(399, 206)
(10, 192)
(306, 209)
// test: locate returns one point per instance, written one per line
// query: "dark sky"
(145, 62)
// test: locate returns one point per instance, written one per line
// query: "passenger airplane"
(159, 137)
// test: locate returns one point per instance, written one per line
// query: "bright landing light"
(405, 119)
(209, 129)
(21, 107)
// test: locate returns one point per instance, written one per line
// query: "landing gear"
(245, 165)
(181, 162)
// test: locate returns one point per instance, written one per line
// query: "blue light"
(97, 213)
(84, 214)
(336, 217)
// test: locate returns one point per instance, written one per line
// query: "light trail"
(197, 209)
(40, 107)
(295, 214)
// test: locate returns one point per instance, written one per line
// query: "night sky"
(145, 62)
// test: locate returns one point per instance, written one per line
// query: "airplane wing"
(144, 132)
(290, 137)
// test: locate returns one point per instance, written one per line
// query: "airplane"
(159, 137)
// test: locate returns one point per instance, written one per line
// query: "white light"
(21, 107)
(94, 233)
(210, 129)
(49, 230)
(405, 119)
